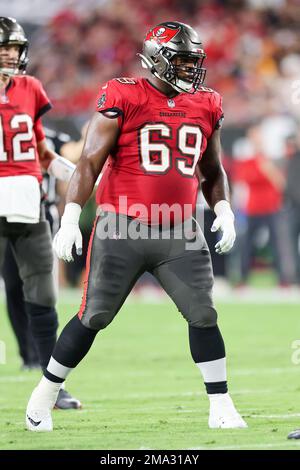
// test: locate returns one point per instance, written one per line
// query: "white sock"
(57, 369)
(215, 397)
(213, 371)
(44, 395)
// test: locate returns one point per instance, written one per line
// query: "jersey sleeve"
(42, 101)
(217, 111)
(110, 101)
(39, 130)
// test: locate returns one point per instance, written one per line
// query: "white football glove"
(224, 222)
(69, 233)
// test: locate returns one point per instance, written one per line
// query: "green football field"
(141, 390)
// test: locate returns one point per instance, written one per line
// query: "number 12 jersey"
(21, 107)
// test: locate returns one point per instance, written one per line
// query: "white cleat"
(40, 405)
(223, 413)
(39, 420)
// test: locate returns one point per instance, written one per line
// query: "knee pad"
(198, 309)
(39, 289)
(205, 316)
(97, 321)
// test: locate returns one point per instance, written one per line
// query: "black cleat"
(294, 434)
(65, 401)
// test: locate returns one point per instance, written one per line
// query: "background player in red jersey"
(23, 150)
(156, 135)
(12, 282)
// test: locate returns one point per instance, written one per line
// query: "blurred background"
(145, 393)
(253, 60)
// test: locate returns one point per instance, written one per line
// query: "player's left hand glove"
(224, 222)
(69, 233)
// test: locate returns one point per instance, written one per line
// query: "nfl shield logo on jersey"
(171, 103)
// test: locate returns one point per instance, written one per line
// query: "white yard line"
(250, 295)
(233, 372)
(252, 416)
(265, 371)
(286, 416)
(16, 378)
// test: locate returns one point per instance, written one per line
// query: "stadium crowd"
(253, 51)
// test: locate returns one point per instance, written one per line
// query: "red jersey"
(161, 141)
(263, 196)
(24, 102)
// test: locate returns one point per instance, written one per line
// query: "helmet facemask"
(185, 72)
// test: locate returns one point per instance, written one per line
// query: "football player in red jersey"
(154, 135)
(23, 150)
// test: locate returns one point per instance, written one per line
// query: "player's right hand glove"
(224, 222)
(69, 233)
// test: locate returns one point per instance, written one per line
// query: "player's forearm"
(61, 168)
(46, 157)
(82, 183)
(215, 185)
(215, 188)
(55, 165)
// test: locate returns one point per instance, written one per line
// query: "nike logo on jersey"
(104, 87)
(34, 423)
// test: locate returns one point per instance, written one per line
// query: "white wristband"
(61, 168)
(71, 214)
(223, 207)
